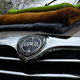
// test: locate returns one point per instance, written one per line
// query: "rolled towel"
(44, 8)
(67, 16)
(56, 28)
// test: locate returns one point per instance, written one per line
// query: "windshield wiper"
(49, 3)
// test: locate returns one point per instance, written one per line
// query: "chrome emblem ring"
(29, 46)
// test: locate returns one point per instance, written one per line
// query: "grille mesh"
(62, 54)
(6, 51)
(41, 67)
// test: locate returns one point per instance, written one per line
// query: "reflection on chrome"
(52, 44)
(44, 60)
(51, 41)
(38, 75)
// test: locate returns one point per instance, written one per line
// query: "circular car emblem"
(29, 46)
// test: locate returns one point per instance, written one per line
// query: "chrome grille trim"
(38, 75)
(49, 49)
(44, 60)
(51, 44)
(72, 41)
(46, 52)
(60, 60)
(9, 58)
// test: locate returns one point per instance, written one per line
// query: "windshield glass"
(5, 5)
(68, 1)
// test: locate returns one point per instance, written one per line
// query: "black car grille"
(6, 51)
(41, 66)
(62, 54)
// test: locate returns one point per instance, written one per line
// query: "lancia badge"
(29, 47)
